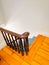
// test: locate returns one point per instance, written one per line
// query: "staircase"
(18, 42)
(38, 54)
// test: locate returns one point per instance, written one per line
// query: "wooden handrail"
(24, 35)
(16, 41)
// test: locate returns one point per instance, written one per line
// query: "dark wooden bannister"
(18, 42)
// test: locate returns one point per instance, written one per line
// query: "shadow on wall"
(2, 42)
(31, 40)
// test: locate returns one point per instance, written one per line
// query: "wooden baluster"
(21, 46)
(16, 43)
(12, 45)
(13, 42)
(5, 38)
(10, 40)
(13, 38)
(26, 45)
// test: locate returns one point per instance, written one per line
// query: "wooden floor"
(38, 54)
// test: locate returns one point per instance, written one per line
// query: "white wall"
(27, 15)
(2, 19)
(2, 22)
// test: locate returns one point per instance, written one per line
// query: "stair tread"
(3, 62)
(39, 50)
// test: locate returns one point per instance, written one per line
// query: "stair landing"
(38, 54)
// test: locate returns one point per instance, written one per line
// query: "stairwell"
(38, 54)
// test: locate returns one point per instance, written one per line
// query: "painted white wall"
(27, 15)
(2, 19)
(2, 22)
